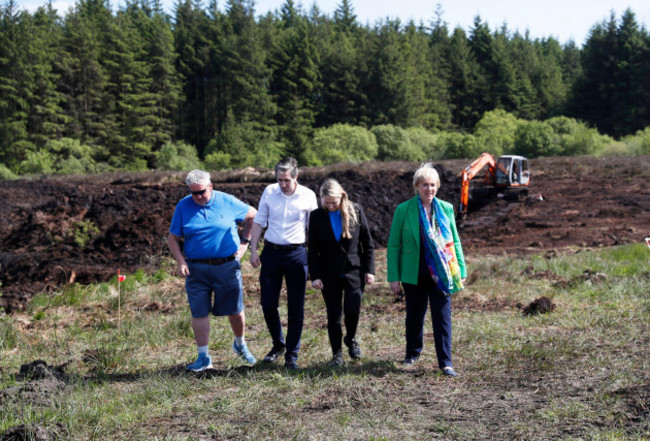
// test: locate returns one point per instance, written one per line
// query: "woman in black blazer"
(341, 261)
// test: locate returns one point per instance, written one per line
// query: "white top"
(285, 217)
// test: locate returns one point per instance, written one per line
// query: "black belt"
(215, 261)
(291, 247)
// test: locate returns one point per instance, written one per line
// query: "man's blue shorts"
(224, 281)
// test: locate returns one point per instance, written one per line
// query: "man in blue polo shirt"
(207, 221)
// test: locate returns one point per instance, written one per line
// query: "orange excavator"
(510, 171)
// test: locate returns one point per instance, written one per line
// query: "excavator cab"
(507, 172)
(512, 171)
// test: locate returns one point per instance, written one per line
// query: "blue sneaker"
(243, 353)
(202, 363)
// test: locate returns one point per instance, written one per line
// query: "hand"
(183, 270)
(395, 287)
(370, 279)
(317, 284)
(241, 251)
(255, 258)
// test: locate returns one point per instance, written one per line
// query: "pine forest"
(95, 88)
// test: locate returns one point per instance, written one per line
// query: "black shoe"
(291, 365)
(274, 354)
(337, 361)
(353, 348)
(409, 361)
(449, 371)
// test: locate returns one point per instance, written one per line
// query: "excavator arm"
(470, 171)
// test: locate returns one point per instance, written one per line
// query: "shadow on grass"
(376, 368)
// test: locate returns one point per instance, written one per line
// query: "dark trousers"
(292, 266)
(341, 298)
(417, 298)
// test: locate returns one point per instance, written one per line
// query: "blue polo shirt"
(209, 231)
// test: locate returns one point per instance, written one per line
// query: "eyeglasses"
(199, 192)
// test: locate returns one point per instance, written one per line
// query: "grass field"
(579, 372)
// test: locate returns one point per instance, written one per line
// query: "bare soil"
(56, 231)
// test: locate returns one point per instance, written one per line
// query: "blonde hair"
(426, 171)
(349, 219)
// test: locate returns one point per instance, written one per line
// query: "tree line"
(98, 89)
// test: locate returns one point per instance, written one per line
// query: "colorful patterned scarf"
(439, 249)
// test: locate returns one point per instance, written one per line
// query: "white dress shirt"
(285, 217)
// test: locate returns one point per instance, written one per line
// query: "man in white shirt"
(284, 211)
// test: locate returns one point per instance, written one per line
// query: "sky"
(562, 19)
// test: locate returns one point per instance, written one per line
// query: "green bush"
(495, 132)
(37, 162)
(638, 144)
(462, 146)
(573, 137)
(217, 161)
(394, 144)
(341, 143)
(243, 145)
(64, 156)
(6, 174)
(16, 152)
(432, 144)
(535, 138)
(267, 153)
(73, 157)
(177, 156)
(84, 232)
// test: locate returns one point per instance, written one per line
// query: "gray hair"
(425, 171)
(287, 164)
(197, 177)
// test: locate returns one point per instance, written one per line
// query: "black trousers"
(341, 298)
(292, 266)
(418, 299)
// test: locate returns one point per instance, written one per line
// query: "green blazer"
(403, 256)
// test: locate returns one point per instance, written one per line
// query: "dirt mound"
(541, 305)
(82, 229)
(33, 432)
(42, 385)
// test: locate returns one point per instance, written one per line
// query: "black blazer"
(329, 259)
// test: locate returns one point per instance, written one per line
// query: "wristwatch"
(245, 241)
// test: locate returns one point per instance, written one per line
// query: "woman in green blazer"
(426, 257)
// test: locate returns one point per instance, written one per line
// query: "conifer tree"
(128, 103)
(343, 66)
(161, 97)
(387, 89)
(439, 81)
(194, 51)
(46, 117)
(612, 91)
(244, 76)
(295, 80)
(83, 77)
(464, 81)
(14, 106)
